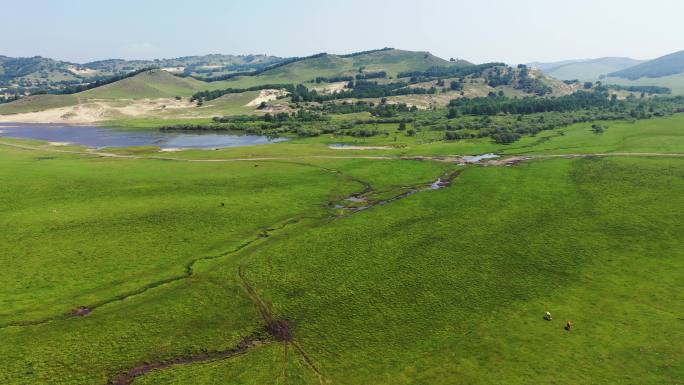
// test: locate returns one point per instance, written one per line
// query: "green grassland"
(145, 198)
(392, 61)
(105, 241)
(661, 135)
(445, 286)
(665, 135)
(450, 286)
(147, 85)
(674, 82)
(182, 254)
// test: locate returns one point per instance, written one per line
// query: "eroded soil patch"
(140, 370)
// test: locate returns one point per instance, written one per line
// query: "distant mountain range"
(22, 76)
(398, 76)
(614, 67)
(672, 64)
(40, 73)
(587, 69)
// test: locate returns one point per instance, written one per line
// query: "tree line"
(642, 89)
(529, 105)
(446, 72)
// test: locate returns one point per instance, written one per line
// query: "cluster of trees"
(597, 129)
(499, 76)
(447, 72)
(453, 135)
(529, 105)
(508, 128)
(300, 115)
(361, 89)
(357, 90)
(643, 89)
(456, 85)
(371, 75)
(334, 79)
(505, 137)
(382, 110)
(500, 128)
(529, 84)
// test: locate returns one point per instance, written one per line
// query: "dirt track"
(505, 159)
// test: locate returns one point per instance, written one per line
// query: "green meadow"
(178, 255)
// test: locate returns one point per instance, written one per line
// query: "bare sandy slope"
(331, 88)
(266, 96)
(96, 111)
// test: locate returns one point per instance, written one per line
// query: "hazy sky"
(477, 30)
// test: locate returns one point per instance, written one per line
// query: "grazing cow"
(568, 326)
(547, 316)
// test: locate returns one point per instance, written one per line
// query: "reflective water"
(100, 137)
(477, 158)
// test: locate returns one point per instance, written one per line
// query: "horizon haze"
(540, 31)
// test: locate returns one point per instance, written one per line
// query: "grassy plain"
(450, 286)
(445, 286)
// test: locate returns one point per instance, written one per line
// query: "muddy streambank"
(368, 198)
(129, 376)
(278, 330)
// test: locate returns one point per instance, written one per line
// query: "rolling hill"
(666, 71)
(546, 66)
(392, 61)
(20, 75)
(147, 85)
(154, 84)
(586, 70)
(35, 71)
(427, 79)
(158, 84)
(667, 65)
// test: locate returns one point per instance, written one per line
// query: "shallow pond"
(477, 158)
(100, 137)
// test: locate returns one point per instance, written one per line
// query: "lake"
(100, 137)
